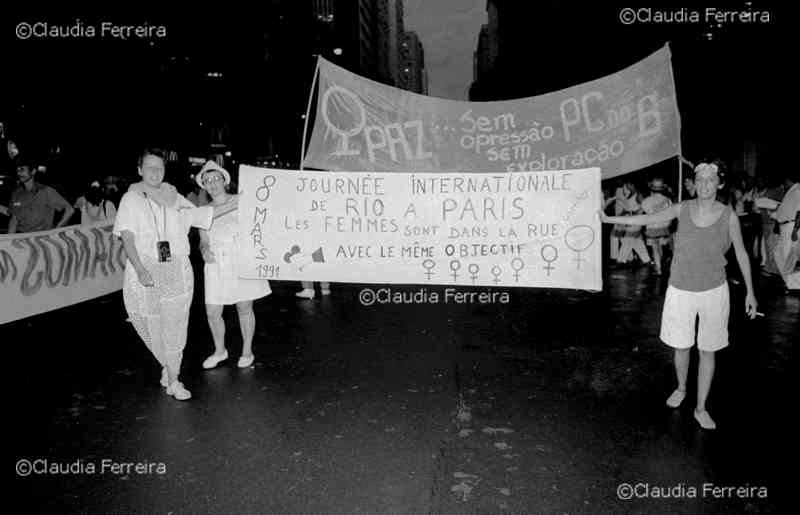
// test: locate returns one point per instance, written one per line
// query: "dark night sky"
(101, 98)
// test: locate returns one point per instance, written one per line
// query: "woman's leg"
(247, 322)
(705, 374)
(625, 250)
(657, 256)
(217, 326)
(641, 250)
(681, 374)
(307, 292)
(614, 247)
(175, 315)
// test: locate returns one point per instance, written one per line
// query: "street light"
(337, 51)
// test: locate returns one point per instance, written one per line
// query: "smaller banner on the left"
(48, 270)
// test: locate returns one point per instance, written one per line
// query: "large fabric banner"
(510, 229)
(620, 123)
(47, 270)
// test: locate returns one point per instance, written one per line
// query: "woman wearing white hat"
(220, 248)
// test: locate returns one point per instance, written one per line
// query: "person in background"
(632, 239)
(742, 196)
(111, 189)
(787, 247)
(689, 189)
(618, 231)
(33, 205)
(657, 235)
(94, 206)
(774, 193)
(153, 221)
(198, 196)
(759, 190)
(697, 282)
(308, 289)
(220, 250)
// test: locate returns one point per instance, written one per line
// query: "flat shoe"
(305, 294)
(214, 360)
(177, 390)
(676, 398)
(704, 419)
(245, 362)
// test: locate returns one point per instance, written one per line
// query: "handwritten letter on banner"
(620, 123)
(48, 270)
(511, 229)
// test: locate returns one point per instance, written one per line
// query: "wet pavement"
(551, 402)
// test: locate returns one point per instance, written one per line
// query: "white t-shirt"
(653, 204)
(91, 214)
(151, 222)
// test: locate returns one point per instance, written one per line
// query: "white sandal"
(214, 360)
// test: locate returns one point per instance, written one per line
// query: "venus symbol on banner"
(391, 228)
(578, 239)
(473, 269)
(345, 108)
(455, 266)
(549, 254)
(517, 264)
(428, 265)
(497, 272)
(341, 108)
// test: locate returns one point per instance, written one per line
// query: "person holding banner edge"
(220, 249)
(698, 284)
(153, 221)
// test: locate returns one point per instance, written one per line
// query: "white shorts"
(678, 318)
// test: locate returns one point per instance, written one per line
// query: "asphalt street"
(540, 401)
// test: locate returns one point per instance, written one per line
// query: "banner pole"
(308, 112)
(678, 116)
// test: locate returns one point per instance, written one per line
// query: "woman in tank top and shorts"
(698, 285)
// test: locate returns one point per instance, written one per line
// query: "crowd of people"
(692, 235)
(765, 211)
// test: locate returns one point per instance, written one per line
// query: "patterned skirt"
(160, 313)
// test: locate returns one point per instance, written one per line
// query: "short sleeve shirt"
(150, 222)
(35, 209)
(655, 203)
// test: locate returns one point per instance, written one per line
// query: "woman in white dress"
(220, 248)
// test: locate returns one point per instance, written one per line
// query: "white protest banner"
(47, 270)
(623, 122)
(510, 229)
